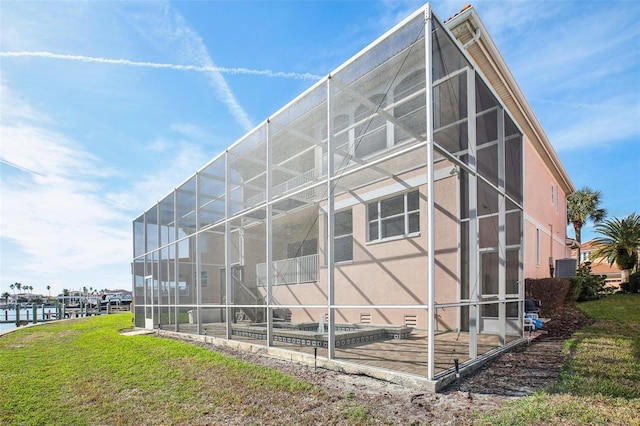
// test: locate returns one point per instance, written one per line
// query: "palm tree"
(49, 290)
(584, 205)
(619, 242)
(6, 297)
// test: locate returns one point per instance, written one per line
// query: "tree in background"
(6, 297)
(618, 243)
(582, 206)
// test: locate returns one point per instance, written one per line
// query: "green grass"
(84, 372)
(622, 308)
(600, 382)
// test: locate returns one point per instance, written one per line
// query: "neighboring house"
(384, 219)
(599, 266)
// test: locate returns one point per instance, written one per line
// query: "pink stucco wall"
(543, 214)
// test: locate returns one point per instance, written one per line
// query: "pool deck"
(396, 360)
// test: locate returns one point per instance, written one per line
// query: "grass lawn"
(600, 382)
(84, 372)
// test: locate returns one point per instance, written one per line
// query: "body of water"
(26, 314)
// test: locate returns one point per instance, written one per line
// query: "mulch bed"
(528, 368)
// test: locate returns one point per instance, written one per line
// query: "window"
(343, 236)
(370, 129)
(410, 108)
(302, 248)
(553, 198)
(537, 247)
(398, 215)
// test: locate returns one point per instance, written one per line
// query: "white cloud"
(508, 20)
(46, 153)
(57, 209)
(158, 145)
(54, 213)
(584, 126)
(185, 159)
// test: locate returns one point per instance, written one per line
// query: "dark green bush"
(633, 285)
(587, 286)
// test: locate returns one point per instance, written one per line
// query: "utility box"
(566, 267)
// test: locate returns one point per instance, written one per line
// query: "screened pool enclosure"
(376, 220)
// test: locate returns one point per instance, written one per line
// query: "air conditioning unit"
(566, 267)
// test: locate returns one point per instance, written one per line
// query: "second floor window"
(397, 215)
(343, 247)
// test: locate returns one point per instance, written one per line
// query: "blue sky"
(107, 106)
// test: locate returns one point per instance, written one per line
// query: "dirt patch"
(520, 372)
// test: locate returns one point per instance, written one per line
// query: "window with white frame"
(394, 216)
(343, 236)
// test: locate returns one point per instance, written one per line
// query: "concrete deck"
(405, 356)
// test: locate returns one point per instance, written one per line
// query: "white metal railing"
(294, 183)
(303, 269)
(285, 187)
(255, 200)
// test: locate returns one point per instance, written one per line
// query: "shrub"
(587, 286)
(633, 285)
(552, 293)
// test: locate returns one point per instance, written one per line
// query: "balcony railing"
(294, 183)
(296, 270)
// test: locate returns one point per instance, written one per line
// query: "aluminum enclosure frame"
(258, 167)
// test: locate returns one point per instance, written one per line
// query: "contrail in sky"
(203, 69)
(24, 169)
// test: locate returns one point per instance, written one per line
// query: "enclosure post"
(330, 227)
(176, 264)
(227, 248)
(474, 258)
(502, 239)
(430, 200)
(269, 239)
(197, 281)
